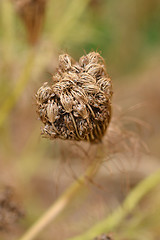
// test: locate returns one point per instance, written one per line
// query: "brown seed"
(52, 111)
(67, 101)
(43, 93)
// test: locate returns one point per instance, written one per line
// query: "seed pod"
(90, 88)
(67, 101)
(105, 85)
(52, 111)
(86, 78)
(78, 104)
(95, 57)
(65, 62)
(79, 94)
(43, 93)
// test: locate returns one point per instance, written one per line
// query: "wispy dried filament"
(78, 104)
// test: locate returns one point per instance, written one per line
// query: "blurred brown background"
(34, 171)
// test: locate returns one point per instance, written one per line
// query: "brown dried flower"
(32, 14)
(78, 104)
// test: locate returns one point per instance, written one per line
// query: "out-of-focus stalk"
(113, 220)
(63, 201)
(7, 18)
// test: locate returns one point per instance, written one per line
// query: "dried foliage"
(10, 212)
(32, 13)
(104, 237)
(78, 104)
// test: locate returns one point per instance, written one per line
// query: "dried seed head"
(78, 104)
(32, 14)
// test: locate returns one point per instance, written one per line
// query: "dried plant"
(10, 212)
(32, 13)
(78, 104)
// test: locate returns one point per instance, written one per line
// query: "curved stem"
(61, 203)
(131, 201)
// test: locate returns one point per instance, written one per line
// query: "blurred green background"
(127, 34)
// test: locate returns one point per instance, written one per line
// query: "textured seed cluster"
(78, 104)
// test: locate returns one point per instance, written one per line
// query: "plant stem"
(131, 201)
(61, 203)
(8, 37)
(11, 100)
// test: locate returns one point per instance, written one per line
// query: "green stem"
(7, 16)
(61, 203)
(7, 106)
(131, 201)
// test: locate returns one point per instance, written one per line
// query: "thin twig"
(61, 203)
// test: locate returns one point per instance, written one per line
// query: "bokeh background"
(35, 171)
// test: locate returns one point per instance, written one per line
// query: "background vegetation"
(35, 171)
